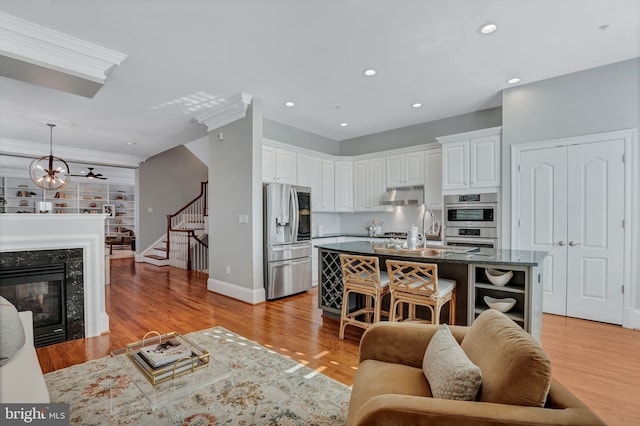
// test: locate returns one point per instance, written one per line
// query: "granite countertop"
(483, 255)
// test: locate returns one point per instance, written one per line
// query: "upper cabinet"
(433, 178)
(405, 169)
(343, 194)
(369, 183)
(471, 161)
(327, 187)
(278, 165)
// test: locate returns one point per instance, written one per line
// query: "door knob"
(561, 243)
(573, 243)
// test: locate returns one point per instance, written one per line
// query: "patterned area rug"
(266, 389)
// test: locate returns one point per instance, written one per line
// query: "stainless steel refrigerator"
(287, 239)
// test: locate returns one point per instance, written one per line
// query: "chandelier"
(50, 172)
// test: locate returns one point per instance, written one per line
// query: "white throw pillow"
(11, 331)
(450, 373)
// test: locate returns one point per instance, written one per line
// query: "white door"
(595, 231)
(543, 219)
(572, 205)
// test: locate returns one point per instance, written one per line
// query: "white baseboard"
(252, 296)
(631, 318)
(139, 258)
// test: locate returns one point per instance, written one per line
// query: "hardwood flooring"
(599, 363)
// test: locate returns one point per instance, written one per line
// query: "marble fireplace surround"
(30, 232)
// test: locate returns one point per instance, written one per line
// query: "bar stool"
(361, 274)
(418, 284)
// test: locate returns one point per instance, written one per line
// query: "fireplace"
(41, 290)
(49, 283)
(75, 240)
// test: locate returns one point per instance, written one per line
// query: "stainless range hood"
(403, 196)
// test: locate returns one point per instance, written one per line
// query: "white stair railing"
(187, 230)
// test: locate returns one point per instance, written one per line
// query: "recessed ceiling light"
(131, 143)
(344, 124)
(417, 105)
(513, 80)
(370, 72)
(488, 28)
(289, 104)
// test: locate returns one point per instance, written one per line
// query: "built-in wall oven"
(471, 220)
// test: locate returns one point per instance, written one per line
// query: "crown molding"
(229, 111)
(23, 42)
(22, 148)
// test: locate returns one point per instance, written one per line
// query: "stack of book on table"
(166, 357)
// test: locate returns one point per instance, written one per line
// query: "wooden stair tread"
(155, 256)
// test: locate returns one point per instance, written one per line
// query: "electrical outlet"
(243, 218)
(228, 269)
(150, 210)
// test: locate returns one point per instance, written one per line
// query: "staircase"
(185, 245)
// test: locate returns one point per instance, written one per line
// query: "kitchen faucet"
(424, 224)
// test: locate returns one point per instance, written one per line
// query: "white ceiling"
(312, 52)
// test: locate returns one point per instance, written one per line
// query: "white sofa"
(21, 378)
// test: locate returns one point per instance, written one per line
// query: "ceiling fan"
(92, 175)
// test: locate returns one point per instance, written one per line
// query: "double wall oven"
(471, 220)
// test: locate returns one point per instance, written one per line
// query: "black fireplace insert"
(41, 290)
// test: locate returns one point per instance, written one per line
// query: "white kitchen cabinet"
(471, 161)
(433, 178)
(303, 175)
(343, 186)
(278, 165)
(310, 173)
(327, 189)
(405, 169)
(369, 184)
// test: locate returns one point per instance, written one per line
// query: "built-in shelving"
(517, 288)
(87, 197)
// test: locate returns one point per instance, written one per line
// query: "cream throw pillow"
(11, 331)
(450, 373)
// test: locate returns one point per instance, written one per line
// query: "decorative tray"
(197, 359)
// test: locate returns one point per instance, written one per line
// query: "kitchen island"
(467, 268)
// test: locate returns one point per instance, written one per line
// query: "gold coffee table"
(206, 372)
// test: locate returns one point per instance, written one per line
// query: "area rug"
(266, 389)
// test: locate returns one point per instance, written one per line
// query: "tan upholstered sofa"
(390, 387)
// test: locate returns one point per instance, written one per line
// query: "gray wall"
(591, 101)
(167, 182)
(298, 137)
(421, 133)
(235, 176)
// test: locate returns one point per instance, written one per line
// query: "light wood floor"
(600, 363)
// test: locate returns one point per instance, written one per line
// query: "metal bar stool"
(361, 274)
(417, 284)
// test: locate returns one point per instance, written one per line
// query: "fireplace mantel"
(30, 232)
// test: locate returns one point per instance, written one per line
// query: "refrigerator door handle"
(294, 215)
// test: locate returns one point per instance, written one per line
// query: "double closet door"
(572, 205)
